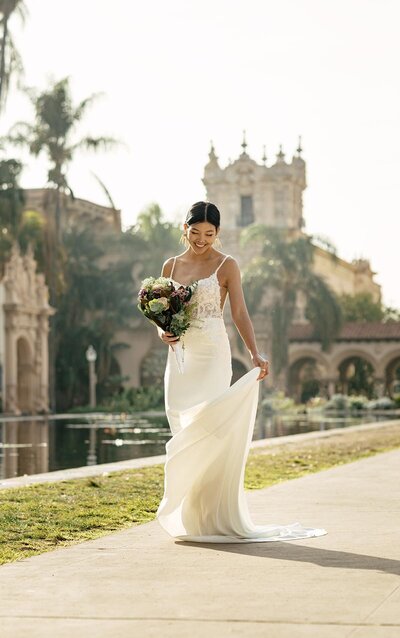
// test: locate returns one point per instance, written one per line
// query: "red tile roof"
(352, 331)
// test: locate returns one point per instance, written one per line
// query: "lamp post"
(91, 356)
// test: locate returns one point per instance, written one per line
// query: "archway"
(392, 377)
(305, 376)
(25, 376)
(356, 376)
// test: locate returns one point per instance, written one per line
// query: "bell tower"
(248, 192)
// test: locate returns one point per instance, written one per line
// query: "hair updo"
(203, 212)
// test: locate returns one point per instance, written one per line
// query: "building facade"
(24, 327)
(249, 192)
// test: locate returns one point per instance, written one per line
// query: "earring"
(218, 242)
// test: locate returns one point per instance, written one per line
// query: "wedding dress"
(212, 425)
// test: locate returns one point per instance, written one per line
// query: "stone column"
(10, 369)
(42, 398)
(379, 387)
(331, 387)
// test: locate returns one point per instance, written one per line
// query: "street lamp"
(91, 356)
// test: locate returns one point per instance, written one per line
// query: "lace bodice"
(207, 295)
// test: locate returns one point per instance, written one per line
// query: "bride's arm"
(240, 313)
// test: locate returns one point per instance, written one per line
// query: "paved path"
(139, 582)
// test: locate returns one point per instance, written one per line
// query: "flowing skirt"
(212, 424)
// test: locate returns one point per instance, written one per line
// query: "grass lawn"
(39, 518)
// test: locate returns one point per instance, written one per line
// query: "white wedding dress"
(212, 426)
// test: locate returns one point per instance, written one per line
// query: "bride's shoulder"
(229, 266)
(230, 262)
(169, 261)
(167, 266)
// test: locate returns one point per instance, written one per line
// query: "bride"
(211, 421)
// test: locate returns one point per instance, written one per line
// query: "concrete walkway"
(140, 582)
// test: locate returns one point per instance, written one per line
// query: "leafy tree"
(282, 269)
(159, 238)
(361, 378)
(11, 205)
(360, 307)
(16, 225)
(101, 280)
(96, 303)
(153, 239)
(10, 59)
(391, 314)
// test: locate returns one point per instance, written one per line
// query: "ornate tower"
(247, 192)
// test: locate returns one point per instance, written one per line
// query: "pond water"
(33, 445)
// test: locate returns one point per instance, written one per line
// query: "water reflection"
(24, 446)
(284, 424)
(32, 445)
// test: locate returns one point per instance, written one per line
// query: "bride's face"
(201, 236)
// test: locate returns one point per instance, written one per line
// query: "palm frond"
(105, 190)
(82, 107)
(95, 143)
(12, 66)
(323, 310)
(22, 11)
(267, 234)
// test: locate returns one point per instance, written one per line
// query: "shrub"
(129, 401)
(277, 403)
(317, 402)
(383, 403)
(358, 402)
(337, 402)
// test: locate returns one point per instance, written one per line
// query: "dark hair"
(203, 212)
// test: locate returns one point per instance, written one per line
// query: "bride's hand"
(167, 337)
(261, 362)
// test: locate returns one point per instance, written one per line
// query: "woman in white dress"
(211, 421)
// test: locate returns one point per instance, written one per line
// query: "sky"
(175, 75)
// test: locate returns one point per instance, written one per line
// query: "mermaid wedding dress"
(212, 426)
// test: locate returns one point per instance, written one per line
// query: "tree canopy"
(10, 59)
(280, 271)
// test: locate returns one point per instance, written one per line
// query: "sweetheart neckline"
(193, 282)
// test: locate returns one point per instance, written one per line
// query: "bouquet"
(168, 308)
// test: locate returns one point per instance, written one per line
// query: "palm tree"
(10, 59)
(281, 270)
(159, 236)
(53, 133)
